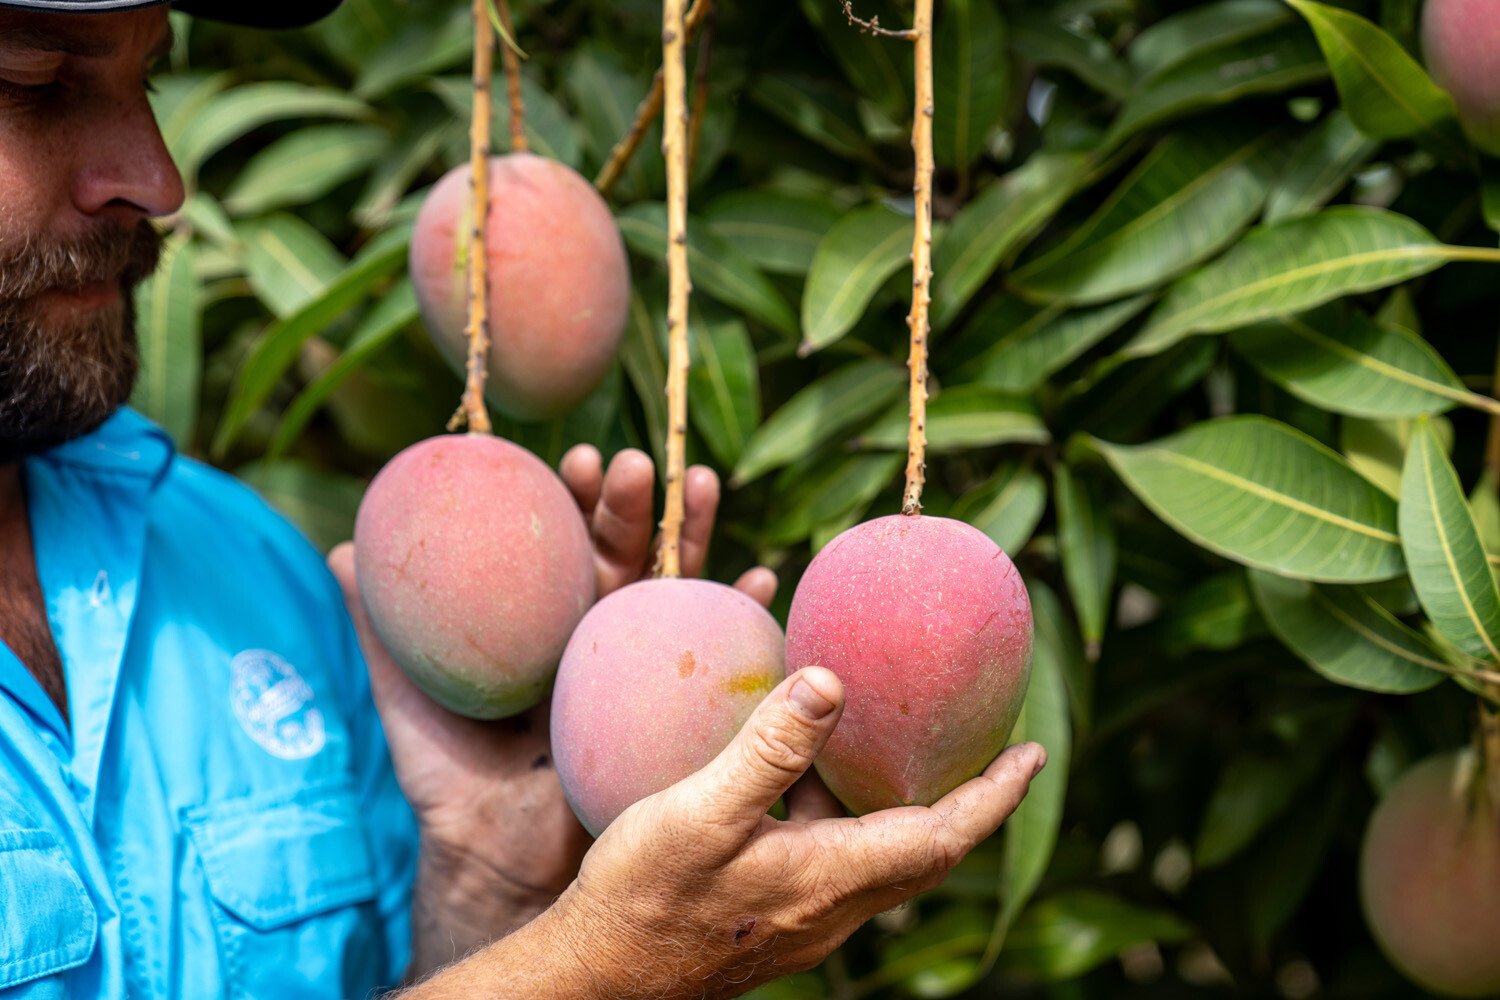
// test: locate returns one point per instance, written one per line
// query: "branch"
(700, 83)
(872, 26)
(473, 412)
(674, 148)
(645, 114)
(921, 261)
(511, 57)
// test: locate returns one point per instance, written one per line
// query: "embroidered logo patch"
(275, 706)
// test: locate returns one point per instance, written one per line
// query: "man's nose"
(124, 166)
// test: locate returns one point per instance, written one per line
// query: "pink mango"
(1461, 44)
(928, 625)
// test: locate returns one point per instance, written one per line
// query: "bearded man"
(197, 796)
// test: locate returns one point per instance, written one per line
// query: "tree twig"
(921, 261)
(700, 83)
(679, 283)
(512, 61)
(872, 26)
(472, 411)
(645, 114)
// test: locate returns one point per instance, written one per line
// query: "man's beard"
(62, 378)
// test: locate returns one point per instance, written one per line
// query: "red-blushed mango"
(559, 281)
(1429, 876)
(1461, 45)
(928, 625)
(475, 565)
(656, 681)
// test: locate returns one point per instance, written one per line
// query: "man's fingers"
(388, 684)
(583, 471)
(809, 799)
(759, 583)
(773, 749)
(622, 520)
(701, 503)
(975, 809)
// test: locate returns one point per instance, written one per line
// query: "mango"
(1461, 45)
(559, 281)
(927, 623)
(475, 565)
(656, 681)
(1429, 876)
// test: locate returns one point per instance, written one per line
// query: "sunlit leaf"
(1007, 506)
(170, 340)
(780, 232)
(860, 252)
(1086, 542)
(1318, 167)
(241, 109)
(966, 416)
(303, 166)
(1067, 934)
(723, 384)
(971, 79)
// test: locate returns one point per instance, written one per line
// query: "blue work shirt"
(220, 818)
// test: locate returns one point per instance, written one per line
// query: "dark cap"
(252, 13)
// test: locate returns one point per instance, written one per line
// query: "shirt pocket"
(50, 923)
(294, 889)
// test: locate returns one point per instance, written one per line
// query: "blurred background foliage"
(1189, 312)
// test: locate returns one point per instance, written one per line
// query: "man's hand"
(696, 892)
(499, 841)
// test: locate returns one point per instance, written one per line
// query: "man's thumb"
(775, 747)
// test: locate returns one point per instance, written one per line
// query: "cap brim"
(257, 14)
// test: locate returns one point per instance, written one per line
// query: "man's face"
(82, 169)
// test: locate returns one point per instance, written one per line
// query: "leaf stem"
(650, 106)
(679, 282)
(921, 260)
(511, 56)
(700, 82)
(472, 411)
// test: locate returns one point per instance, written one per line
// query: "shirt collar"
(126, 442)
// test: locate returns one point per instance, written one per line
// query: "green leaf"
(826, 492)
(393, 312)
(644, 357)
(1186, 201)
(1319, 167)
(1341, 360)
(304, 166)
(1290, 267)
(1265, 495)
(723, 384)
(1067, 934)
(245, 107)
(320, 502)
(1031, 343)
(1118, 399)
(606, 97)
(418, 49)
(994, 225)
(1042, 42)
(1216, 614)
(1448, 568)
(971, 79)
(170, 339)
(859, 254)
(1377, 448)
(1265, 63)
(1386, 93)
(1484, 504)
(1346, 636)
(820, 412)
(718, 269)
(1086, 542)
(1175, 39)
(277, 348)
(287, 262)
(966, 416)
(779, 232)
(815, 110)
(1007, 506)
(549, 130)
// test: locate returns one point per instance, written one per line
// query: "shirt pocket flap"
(60, 923)
(276, 858)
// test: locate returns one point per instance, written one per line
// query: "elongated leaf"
(419, 48)
(1208, 26)
(1266, 495)
(644, 357)
(1387, 93)
(1065, 935)
(860, 252)
(237, 111)
(178, 100)
(1031, 832)
(1344, 361)
(1484, 504)
(816, 111)
(723, 384)
(287, 262)
(392, 313)
(1216, 614)
(1319, 167)
(780, 232)
(1265, 63)
(1044, 42)
(995, 224)
(966, 416)
(1185, 202)
(1448, 568)
(170, 338)
(971, 79)
(1377, 448)
(1346, 636)
(1007, 506)
(304, 166)
(1086, 542)
(819, 413)
(1291, 267)
(827, 492)
(550, 132)
(1116, 399)
(606, 97)
(1031, 343)
(717, 268)
(275, 351)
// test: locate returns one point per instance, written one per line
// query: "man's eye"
(27, 93)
